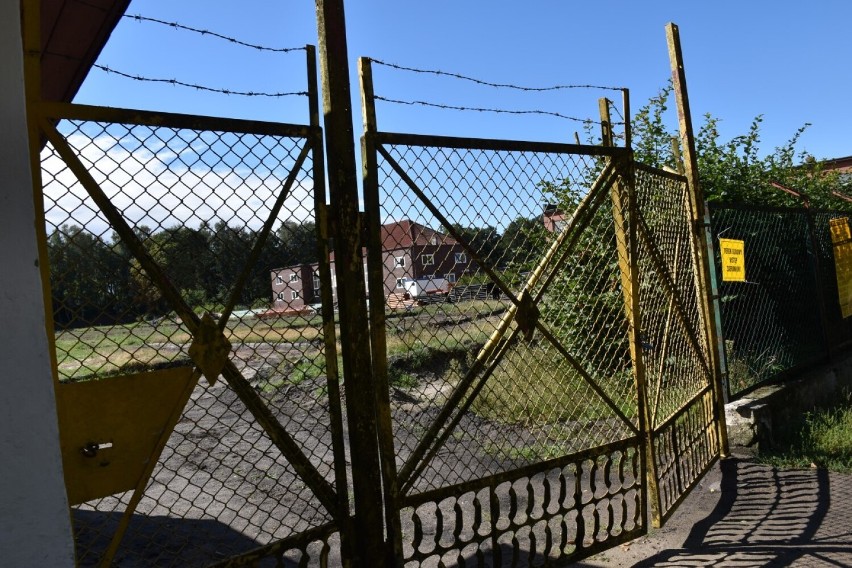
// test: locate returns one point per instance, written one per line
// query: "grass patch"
(821, 438)
(747, 370)
(535, 385)
(100, 351)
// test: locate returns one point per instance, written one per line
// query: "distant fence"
(786, 315)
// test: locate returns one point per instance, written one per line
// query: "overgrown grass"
(535, 385)
(745, 371)
(821, 438)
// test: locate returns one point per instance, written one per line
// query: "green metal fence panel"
(771, 322)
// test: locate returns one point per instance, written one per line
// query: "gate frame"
(42, 118)
(700, 234)
(619, 167)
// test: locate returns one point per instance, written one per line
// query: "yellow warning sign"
(841, 240)
(733, 260)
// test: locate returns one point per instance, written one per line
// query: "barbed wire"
(489, 84)
(199, 87)
(617, 112)
(175, 25)
(493, 110)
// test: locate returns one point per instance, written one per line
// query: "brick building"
(409, 250)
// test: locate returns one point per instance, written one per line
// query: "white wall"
(35, 528)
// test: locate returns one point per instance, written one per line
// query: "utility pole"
(366, 538)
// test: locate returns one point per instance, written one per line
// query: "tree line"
(95, 279)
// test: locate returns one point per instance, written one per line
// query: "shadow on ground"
(158, 540)
(749, 514)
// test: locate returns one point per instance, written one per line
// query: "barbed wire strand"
(489, 84)
(200, 87)
(493, 110)
(616, 111)
(175, 25)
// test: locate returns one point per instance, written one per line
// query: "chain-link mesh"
(771, 322)
(197, 200)
(674, 344)
(506, 208)
(483, 387)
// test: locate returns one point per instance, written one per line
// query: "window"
(461, 258)
(451, 278)
(400, 282)
(280, 295)
(294, 277)
(400, 261)
(294, 295)
(316, 281)
(279, 280)
(428, 259)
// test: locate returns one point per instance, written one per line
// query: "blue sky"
(785, 60)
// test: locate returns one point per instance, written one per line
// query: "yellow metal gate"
(540, 357)
(545, 379)
(510, 424)
(683, 414)
(162, 231)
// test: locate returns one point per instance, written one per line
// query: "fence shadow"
(767, 517)
(158, 540)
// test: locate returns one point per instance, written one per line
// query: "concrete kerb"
(750, 419)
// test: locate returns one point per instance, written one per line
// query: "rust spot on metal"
(210, 349)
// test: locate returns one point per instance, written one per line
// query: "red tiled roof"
(838, 164)
(405, 234)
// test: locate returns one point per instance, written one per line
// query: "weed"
(534, 385)
(306, 369)
(748, 369)
(401, 379)
(821, 438)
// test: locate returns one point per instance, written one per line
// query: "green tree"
(736, 170)
(88, 278)
(485, 241)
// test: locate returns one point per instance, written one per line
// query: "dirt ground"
(747, 514)
(220, 476)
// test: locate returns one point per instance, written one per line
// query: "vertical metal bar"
(696, 202)
(32, 83)
(31, 31)
(621, 243)
(313, 87)
(717, 305)
(376, 285)
(351, 291)
(628, 127)
(676, 155)
(816, 267)
(327, 300)
(628, 265)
